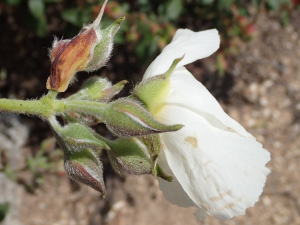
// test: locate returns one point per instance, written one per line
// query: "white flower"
(216, 164)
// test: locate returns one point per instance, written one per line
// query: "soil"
(262, 92)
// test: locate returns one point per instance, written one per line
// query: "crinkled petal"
(173, 191)
(195, 45)
(222, 172)
(189, 93)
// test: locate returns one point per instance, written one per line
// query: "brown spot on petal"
(221, 196)
(203, 207)
(207, 177)
(192, 141)
(208, 162)
(229, 128)
(228, 206)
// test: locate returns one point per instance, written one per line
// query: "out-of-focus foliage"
(3, 210)
(151, 24)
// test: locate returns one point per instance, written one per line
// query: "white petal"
(173, 191)
(186, 91)
(222, 172)
(195, 45)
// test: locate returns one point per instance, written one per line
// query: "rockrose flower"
(217, 166)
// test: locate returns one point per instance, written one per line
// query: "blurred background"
(255, 76)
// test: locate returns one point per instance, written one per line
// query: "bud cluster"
(137, 144)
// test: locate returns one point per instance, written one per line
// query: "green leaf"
(37, 8)
(41, 29)
(174, 9)
(285, 18)
(205, 2)
(3, 210)
(72, 16)
(255, 3)
(13, 2)
(52, 1)
(225, 4)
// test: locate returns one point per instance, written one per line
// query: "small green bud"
(91, 89)
(153, 91)
(153, 144)
(74, 117)
(125, 117)
(129, 156)
(97, 89)
(85, 167)
(74, 137)
(104, 47)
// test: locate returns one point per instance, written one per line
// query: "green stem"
(87, 107)
(48, 106)
(32, 107)
(44, 107)
(52, 94)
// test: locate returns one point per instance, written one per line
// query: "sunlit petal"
(195, 45)
(221, 171)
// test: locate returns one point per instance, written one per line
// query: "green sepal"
(74, 137)
(126, 117)
(129, 156)
(74, 117)
(154, 90)
(160, 173)
(103, 49)
(97, 89)
(90, 89)
(153, 144)
(85, 167)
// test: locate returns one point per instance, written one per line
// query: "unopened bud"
(104, 47)
(74, 117)
(129, 156)
(125, 117)
(85, 167)
(74, 137)
(88, 51)
(97, 89)
(153, 144)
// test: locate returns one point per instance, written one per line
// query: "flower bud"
(153, 91)
(129, 156)
(74, 137)
(125, 117)
(85, 167)
(97, 89)
(153, 144)
(88, 51)
(104, 47)
(75, 117)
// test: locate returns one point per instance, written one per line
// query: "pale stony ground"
(265, 100)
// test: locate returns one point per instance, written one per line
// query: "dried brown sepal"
(73, 58)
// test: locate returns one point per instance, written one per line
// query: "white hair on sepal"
(55, 41)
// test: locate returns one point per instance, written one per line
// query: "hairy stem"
(44, 107)
(86, 107)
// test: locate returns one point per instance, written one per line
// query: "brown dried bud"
(88, 51)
